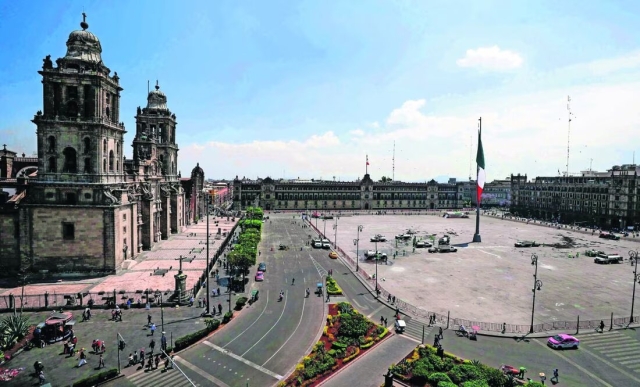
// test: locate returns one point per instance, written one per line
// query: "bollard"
(578, 325)
(611, 325)
(448, 319)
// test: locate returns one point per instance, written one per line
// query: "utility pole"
(636, 278)
(568, 131)
(208, 312)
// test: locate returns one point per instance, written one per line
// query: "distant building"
(362, 194)
(606, 199)
(496, 193)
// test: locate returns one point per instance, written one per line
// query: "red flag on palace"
(367, 159)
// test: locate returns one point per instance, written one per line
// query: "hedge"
(96, 378)
(185, 341)
(227, 317)
(332, 287)
(367, 345)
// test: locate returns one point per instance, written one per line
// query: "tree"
(385, 179)
(242, 262)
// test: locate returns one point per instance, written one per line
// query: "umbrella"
(475, 327)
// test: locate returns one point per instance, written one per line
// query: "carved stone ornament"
(110, 198)
(165, 191)
(47, 63)
(146, 191)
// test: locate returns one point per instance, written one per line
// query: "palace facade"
(603, 199)
(80, 205)
(364, 194)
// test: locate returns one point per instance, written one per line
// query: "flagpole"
(476, 236)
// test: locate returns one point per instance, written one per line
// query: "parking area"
(492, 281)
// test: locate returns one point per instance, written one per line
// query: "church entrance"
(432, 206)
(268, 207)
(366, 206)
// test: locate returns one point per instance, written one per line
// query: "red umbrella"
(475, 327)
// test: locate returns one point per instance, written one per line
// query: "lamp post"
(357, 242)
(335, 234)
(636, 278)
(159, 296)
(324, 221)
(208, 312)
(537, 285)
(376, 267)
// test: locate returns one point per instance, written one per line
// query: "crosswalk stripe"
(620, 348)
(607, 342)
(625, 357)
(590, 336)
(630, 361)
(148, 379)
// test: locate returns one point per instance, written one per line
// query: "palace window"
(51, 141)
(51, 167)
(87, 145)
(70, 163)
(68, 231)
(111, 161)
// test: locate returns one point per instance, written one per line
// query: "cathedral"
(81, 206)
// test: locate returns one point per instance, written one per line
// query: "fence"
(503, 327)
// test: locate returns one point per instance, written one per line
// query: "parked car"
(423, 244)
(607, 259)
(259, 276)
(262, 267)
(593, 253)
(378, 238)
(317, 244)
(403, 236)
(433, 249)
(333, 255)
(526, 244)
(447, 249)
(608, 235)
(445, 240)
(563, 341)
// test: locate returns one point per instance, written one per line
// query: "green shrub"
(493, 376)
(227, 317)
(534, 384)
(464, 372)
(447, 384)
(331, 352)
(421, 370)
(212, 323)
(475, 383)
(353, 325)
(240, 302)
(96, 378)
(438, 377)
(187, 340)
(338, 345)
(367, 345)
(344, 307)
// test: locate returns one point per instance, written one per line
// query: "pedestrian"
(101, 362)
(219, 308)
(386, 323)
(440, 333)
(157, 360)
(436, 341)
(393, 299)
(41, 377)
(601, 326)
(389, 298)
(381, 320)
(556, 376)
(82, 357)
(152, 345)
(328, 297)
(142, 356)
(135, 357)
(163, 342)
(153, 328)
(218, 291)
(149, 319)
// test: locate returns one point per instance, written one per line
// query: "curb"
(369, 350)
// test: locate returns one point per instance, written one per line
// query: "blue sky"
(308, 88)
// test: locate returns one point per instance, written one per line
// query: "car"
(403, 236)
(447, 249)
(378, 238)
(333, 255)
(422, 244)
(608, 235)
(283, 247)
(433, 249)
(445, 240)
(317, 244)
(526, 244)
(607, 259)
(326, 245)
(563, 341)
(259, 276)
(262, 267)
(593, 253)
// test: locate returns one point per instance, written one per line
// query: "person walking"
(101, 362)
(556, 376)
(82, 357)
(41, 377)
(142, 356)
(601, 326)
(293, 281)
(440, 333)
(152, 345)
(149, 320)
(163, 342)
(153, 328)
(157, 360)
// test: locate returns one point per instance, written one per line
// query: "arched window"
(104, 146)
(118, 165)
(70, 162)
(87, 145)
(51, 141)
(51, 167)
(111, 161)
(108, 113)
(117, 148)
(87, 165)
(104, 165)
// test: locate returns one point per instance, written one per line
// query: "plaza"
(492, 281)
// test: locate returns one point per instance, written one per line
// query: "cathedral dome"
(84, 45)
(157, 100)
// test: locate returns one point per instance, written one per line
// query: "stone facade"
(364, 194)
(83, 207)
(601, 199)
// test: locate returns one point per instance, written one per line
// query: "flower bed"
(425, 367)
(347, 334)
(332, 287)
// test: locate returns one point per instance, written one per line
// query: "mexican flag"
(480, 161)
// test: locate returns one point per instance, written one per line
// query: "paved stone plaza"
(492, 281)
(191, 243)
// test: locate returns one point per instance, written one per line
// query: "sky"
(308, 89)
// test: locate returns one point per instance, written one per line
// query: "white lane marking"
(610, 364)
(274, 325)
(241, 333)
(245, 361)
(586, 371)
(200, 372)
(304, 301)
(376, 311)
(486, 252)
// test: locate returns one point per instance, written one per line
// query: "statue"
(116, 78)
(47, 63)
(109, 195)
(139, 110)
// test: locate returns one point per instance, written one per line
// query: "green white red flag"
(481, 173)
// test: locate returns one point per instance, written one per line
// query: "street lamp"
(159, 296)
(356, 242)
(636, 278)
(537, 285)
(208, 313)
(335, 235)
(376, 267)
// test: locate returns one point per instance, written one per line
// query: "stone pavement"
(137, 275)
(494, 275)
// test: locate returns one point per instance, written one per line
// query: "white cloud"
(522, 133)
(375, 125)
(491, 58)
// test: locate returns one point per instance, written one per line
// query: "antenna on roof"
(568, 131)
(393, 162)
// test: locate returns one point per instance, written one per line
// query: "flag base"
(477, 238)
